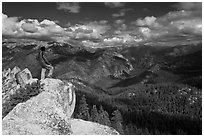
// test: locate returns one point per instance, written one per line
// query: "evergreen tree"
(117, 121)
(107, 119)
(104, 117)
(94, 114)
(127, 131)
(83, 110)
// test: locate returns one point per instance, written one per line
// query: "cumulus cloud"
(90, 30)
(47, 22)
(119, 39)
(147, 21)
(88, 43)
(9, 24)
(112, 40)
(72, 7)
(120, 26)
(48, 30)
(119, 21)
(182, 25)
(114, 4)
(186, 22)
(30, 28)
(121, 12)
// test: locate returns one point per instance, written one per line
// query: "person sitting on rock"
(44, 64)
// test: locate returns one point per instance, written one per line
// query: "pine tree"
(83, 110)
(117, 121)
(107, 119)
(104, 117)
(127, 131)
(94, 114)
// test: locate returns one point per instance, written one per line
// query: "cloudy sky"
(99, 24)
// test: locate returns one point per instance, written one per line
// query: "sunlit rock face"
(82, 127)
(64, 92)
(48, 113)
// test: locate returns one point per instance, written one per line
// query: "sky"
(101, 24)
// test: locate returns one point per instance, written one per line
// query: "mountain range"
(116, 76)
(112, 66)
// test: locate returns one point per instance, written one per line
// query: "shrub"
(21, 95)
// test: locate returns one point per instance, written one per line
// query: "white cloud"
(47, 22)
(29, 28)
(114, 39)
(48, 30)
(123, 38)
(145, 32)
(120, 26)
(119, 21)
(9, 24)
(72, 7)
(114, 4)
(121, 12)
(184, 23)
(88, 43)
(91, 30)
(147, 21)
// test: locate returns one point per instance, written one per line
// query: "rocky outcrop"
(49, 113)
(9, 83)
(64, 93)
(81, 127)
(24, 77)
(12, 81)
(9, 86)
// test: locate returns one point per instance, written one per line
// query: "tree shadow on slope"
(158, 123)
